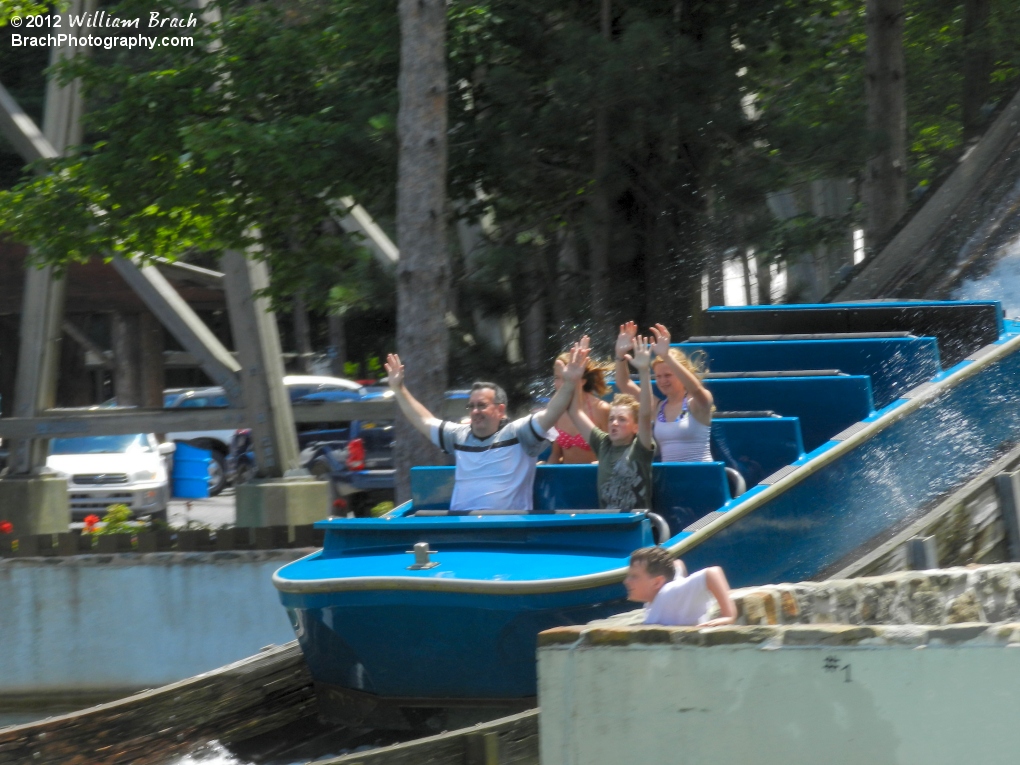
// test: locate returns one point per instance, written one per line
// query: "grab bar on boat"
(810, 336)
(777, 373)
(750, 415)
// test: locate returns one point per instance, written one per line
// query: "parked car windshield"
(136, 444)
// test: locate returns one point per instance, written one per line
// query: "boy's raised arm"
(624, 343)
(642, 361)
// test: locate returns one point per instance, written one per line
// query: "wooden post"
(150, 358)
(126, 376)
(257, 339)
(43, 302)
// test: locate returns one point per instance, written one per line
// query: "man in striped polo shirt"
(495, 458)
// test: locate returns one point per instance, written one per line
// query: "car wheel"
(217, 474)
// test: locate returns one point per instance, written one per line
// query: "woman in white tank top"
(683, 422)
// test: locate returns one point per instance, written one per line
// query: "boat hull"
(437, 648)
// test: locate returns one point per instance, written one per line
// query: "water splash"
(1001, 283)
(208, 754)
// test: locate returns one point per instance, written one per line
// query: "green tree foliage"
(20, 8)
(243, 139)
(284, 106)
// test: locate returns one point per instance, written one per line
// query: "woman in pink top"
(570, 448)
(683, 420)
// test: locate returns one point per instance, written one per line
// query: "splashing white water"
(1001, 283)
(210, 754)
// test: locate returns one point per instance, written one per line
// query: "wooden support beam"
(38, 358)
(183, 323)
(257, 339)
(354, 219)
(64, 423)
(22, 132)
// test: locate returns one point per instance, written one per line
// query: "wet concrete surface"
(214, 512)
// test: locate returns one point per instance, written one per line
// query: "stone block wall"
(939, 597)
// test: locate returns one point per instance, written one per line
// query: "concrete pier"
(915, 668)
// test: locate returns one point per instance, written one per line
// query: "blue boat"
(851, 419)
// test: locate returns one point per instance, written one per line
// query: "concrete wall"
(938, 597)
(788, 695)
(106, 624)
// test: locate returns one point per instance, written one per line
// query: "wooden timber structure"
(239, 701)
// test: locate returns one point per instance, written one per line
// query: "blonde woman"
(683, 420)
(570, 448)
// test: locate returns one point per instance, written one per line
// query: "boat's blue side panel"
(757, 447)
(895, 365)
(401, 644)
(877, 487)
(825, 405)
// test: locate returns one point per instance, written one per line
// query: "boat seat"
(682, 492)
(961, 327)
(895, 365)
(756, 447)
(825, 405)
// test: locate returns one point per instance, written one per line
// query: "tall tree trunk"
(885, 181)
(423, 273)
(977, 64)
(302, 334)
(337, 344)
(745, 260)
(598, 252)
(565, 273)
(533, 323)
(764, 281)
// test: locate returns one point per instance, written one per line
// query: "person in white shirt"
(675, 598)
(495, 459)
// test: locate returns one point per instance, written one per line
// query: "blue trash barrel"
(191, 471)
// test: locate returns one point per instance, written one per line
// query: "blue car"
(359, 467)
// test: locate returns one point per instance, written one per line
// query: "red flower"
(6, 527)
(90, 522)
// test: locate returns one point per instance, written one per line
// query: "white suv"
(113, 470)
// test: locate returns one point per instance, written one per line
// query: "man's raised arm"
(572, 372)
(413, 410)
